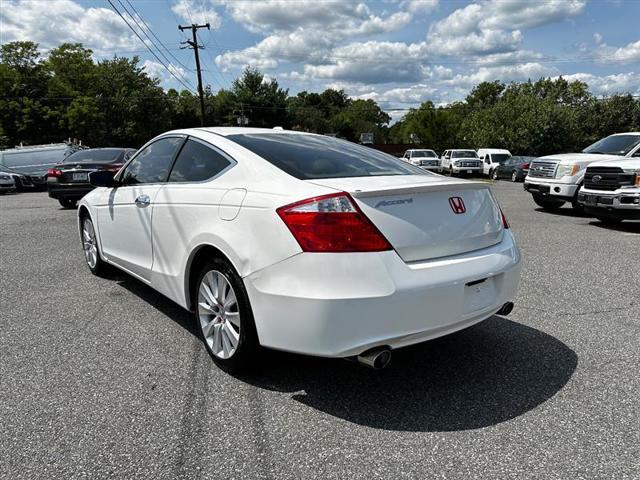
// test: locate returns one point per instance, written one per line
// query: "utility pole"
(194, 44)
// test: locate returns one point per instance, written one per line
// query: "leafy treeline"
(115, 102)
(530, 118)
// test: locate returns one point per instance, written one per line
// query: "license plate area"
(479, 294)
(590, 199)
(80, 177)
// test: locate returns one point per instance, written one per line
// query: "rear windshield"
(614, 145)
(310, 157)
(103, 155)
(464, 154)
(500, 157)
(424, 153)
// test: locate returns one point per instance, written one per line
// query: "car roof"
(225, 131)
(461, 150)
(625, 133)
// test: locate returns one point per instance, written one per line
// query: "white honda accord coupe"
(301, 242)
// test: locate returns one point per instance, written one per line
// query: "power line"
(155, 36)
(194, 44)
(148, 48)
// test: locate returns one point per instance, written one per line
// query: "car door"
(486, 164)
(124, 220)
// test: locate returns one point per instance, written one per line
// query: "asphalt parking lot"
(105, 378)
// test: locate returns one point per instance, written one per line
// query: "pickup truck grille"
(607, 178)
(542, 169)
(469, 163)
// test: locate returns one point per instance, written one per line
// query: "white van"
(492, 158)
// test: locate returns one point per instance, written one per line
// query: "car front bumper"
(467, 170)
(619, 204)
(342, 304)
(561, 191)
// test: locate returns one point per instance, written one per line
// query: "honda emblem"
(457, 205)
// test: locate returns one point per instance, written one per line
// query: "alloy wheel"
(89, 243)
(219, 314)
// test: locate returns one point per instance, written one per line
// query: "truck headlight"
(567, 170)
(636, 171)
(456, 163)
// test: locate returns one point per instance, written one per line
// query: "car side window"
(637, 154)
(487, 159)
(152, 164)
(197, 162)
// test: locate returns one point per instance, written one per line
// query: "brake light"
(525, 165)
(113, 168)
(505, 224)
(332, 223)
(54, 172)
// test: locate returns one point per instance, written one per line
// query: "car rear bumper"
(561, 191)
(339, 305)
(7, 187)
(71, 191)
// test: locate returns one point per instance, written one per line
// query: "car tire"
(514, 176)
(450, 172)
(546, 203)
(68, 203)
(224, 318)
(610, 221)
(494, 174)
(90, 248)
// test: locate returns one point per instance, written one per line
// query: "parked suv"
(611, 190)
(492, 158)
(423, 158)
(460, 162)
(556, 179)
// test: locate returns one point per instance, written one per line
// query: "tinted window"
(33, 158)
(312, 156)
(614, 145)
(102, 155)
(464, 154)
(500, 157)
(425, 154)
(197, 162)
(152, 164)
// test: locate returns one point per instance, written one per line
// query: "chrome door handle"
(143, 201)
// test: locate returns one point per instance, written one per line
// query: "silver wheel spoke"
(219, 316)
(233, 317)
(89, 244)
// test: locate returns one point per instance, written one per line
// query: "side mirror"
(102, 179)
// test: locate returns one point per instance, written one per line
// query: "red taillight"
(505, 224)
(332, 223)
(54, 172)
(524, 165)
(113, 168)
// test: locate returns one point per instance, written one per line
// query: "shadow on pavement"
(482, 376)
(626, 227)
(564, 212)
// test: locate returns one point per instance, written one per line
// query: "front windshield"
(614, 145)
(500, 157)
(424, 154)
(464, 154)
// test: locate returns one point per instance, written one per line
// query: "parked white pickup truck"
(556, 179)
(611, 190)
(460, 162)
(424, 158)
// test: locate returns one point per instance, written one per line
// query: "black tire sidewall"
(247, 347)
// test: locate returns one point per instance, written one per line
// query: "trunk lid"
(79, 172)
(416, 214)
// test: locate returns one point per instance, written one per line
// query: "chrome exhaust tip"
(376, 358)
(505, 309)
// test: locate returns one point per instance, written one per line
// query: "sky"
(397, 52)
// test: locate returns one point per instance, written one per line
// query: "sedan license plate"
(80, 177)
(590, 199)
(469, 171)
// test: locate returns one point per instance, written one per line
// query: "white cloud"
(201, 11)
(157, 70)
(419, 6)
(344, 17)
(628, 53)
(507, 73)
(607, 85)
(493, 26)
(65, 21)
